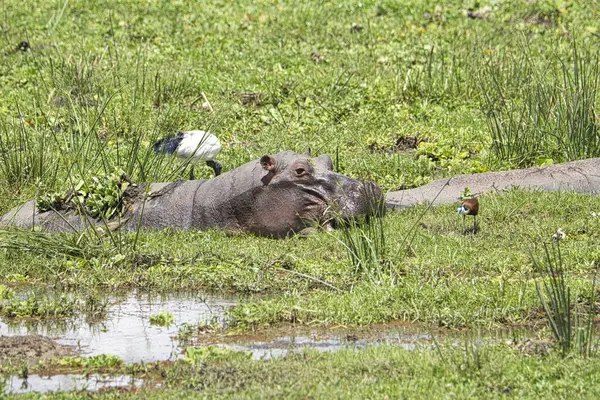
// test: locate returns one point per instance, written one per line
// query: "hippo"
(581, 176)
(277, 196)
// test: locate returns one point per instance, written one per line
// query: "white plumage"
(195, 146)
(199, 145)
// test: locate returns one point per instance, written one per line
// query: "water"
(126, 332)
(408, 338)
(77, 382)
(278, 345)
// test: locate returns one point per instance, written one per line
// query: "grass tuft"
(544, 110)
(571, 327)
(364, 239)
(44, 306)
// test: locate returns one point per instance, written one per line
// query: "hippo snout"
(360, 198)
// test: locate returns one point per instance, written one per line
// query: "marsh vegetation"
(400, 93)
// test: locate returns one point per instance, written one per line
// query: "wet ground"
(128, 334)
(32, 348)
(281, 346)
(272, 343)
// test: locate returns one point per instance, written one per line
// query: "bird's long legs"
(215, 165)
(474, 224)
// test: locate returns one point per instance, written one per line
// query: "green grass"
(469, 371)
(571, 320)
(364, 240)
(163, 318)
(542, 111)
(95, 362)
(44, 306)
(421, 92)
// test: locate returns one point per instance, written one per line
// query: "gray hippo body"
(266, 197)
(275, 196)
(581, 176)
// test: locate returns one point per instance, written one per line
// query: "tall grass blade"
(541, 110)
(364, 239)
(572, 328)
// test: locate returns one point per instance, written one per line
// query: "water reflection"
(126, 332)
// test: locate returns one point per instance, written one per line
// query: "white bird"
(195, 146)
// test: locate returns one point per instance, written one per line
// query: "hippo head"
(302, 191)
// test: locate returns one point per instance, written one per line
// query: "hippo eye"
(300, 171)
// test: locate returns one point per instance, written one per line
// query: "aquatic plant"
(46, 306)
(99, 361)
(163, 318)
(101, 198)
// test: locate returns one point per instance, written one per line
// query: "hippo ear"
(308, 151)
(268, 162)
(326, 161)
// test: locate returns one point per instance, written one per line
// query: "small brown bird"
(470, 207)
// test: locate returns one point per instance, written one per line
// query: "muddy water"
(273, 343)
(69, 382)
(276, 345)
(127, 332)
(283, 346)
